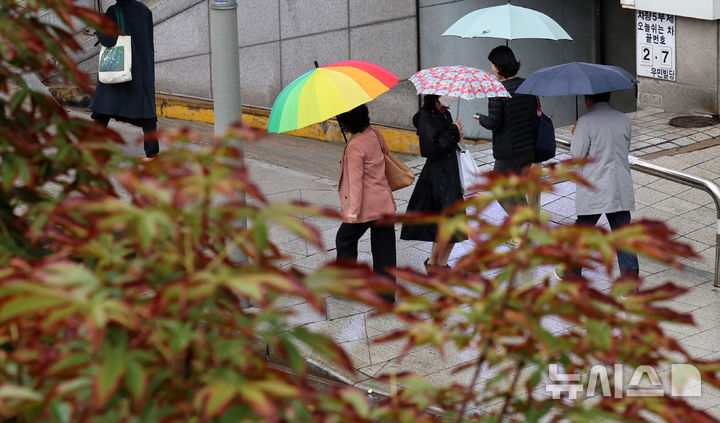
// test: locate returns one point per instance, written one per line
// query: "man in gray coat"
(603, 134)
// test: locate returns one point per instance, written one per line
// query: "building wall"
(696, 88)
(181, 36)
(578, 17)
(617, 27)
(49, 17)
(279, 41)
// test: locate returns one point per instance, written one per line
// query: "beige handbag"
(397, 173)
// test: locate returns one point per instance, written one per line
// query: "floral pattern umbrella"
(458, 81)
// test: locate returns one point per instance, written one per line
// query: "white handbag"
(115, 64)
(469, 172)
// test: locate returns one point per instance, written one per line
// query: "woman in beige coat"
(365, 195)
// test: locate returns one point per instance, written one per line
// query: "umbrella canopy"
(458, 81)
(509, 22)
(327, 91)
(577, 78)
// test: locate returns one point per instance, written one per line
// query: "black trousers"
(151, 146)
(628, 262)
(514, 165)
(382, 244)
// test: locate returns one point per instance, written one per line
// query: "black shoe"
(389, 298)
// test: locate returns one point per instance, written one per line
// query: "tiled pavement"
(691, 213)
(354, 327)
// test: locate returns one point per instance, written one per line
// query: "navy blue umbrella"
(577, 78)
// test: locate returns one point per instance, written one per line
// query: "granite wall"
(580, 19)
(280, 39)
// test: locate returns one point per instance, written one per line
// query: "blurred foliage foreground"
(119, 302)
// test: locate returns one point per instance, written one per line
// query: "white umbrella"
(509, 22)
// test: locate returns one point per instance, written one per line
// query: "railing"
(682, 178)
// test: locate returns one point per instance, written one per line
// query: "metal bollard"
(225, 63)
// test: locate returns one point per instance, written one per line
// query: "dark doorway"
(617, 47)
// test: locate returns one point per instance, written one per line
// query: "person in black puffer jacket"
(438, 186)
(512, 121)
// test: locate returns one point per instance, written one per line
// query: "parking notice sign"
(656, 45)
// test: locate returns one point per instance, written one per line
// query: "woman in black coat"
(133, 101)
(438, 186)
(512, 121)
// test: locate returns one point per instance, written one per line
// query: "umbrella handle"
(577, 115)
(342, 131)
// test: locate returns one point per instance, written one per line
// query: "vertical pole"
(577, 115)
(418, 44)
(225, 63)
(717, 94)
(716, 284)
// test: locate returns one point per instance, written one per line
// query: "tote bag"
(545, 141)
(397, 173)
(115, 65)
(469, 171)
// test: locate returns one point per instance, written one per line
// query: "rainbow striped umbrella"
(327, 91)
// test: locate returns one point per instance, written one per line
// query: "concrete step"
(201, 110)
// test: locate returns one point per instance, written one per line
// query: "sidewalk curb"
(200, 110)
(399, 140)
(329, 372)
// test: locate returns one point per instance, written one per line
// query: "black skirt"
(437, 188)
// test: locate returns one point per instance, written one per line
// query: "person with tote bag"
(365, 195)
(132, 101)
(438, 185)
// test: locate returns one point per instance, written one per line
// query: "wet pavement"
(288, 168)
